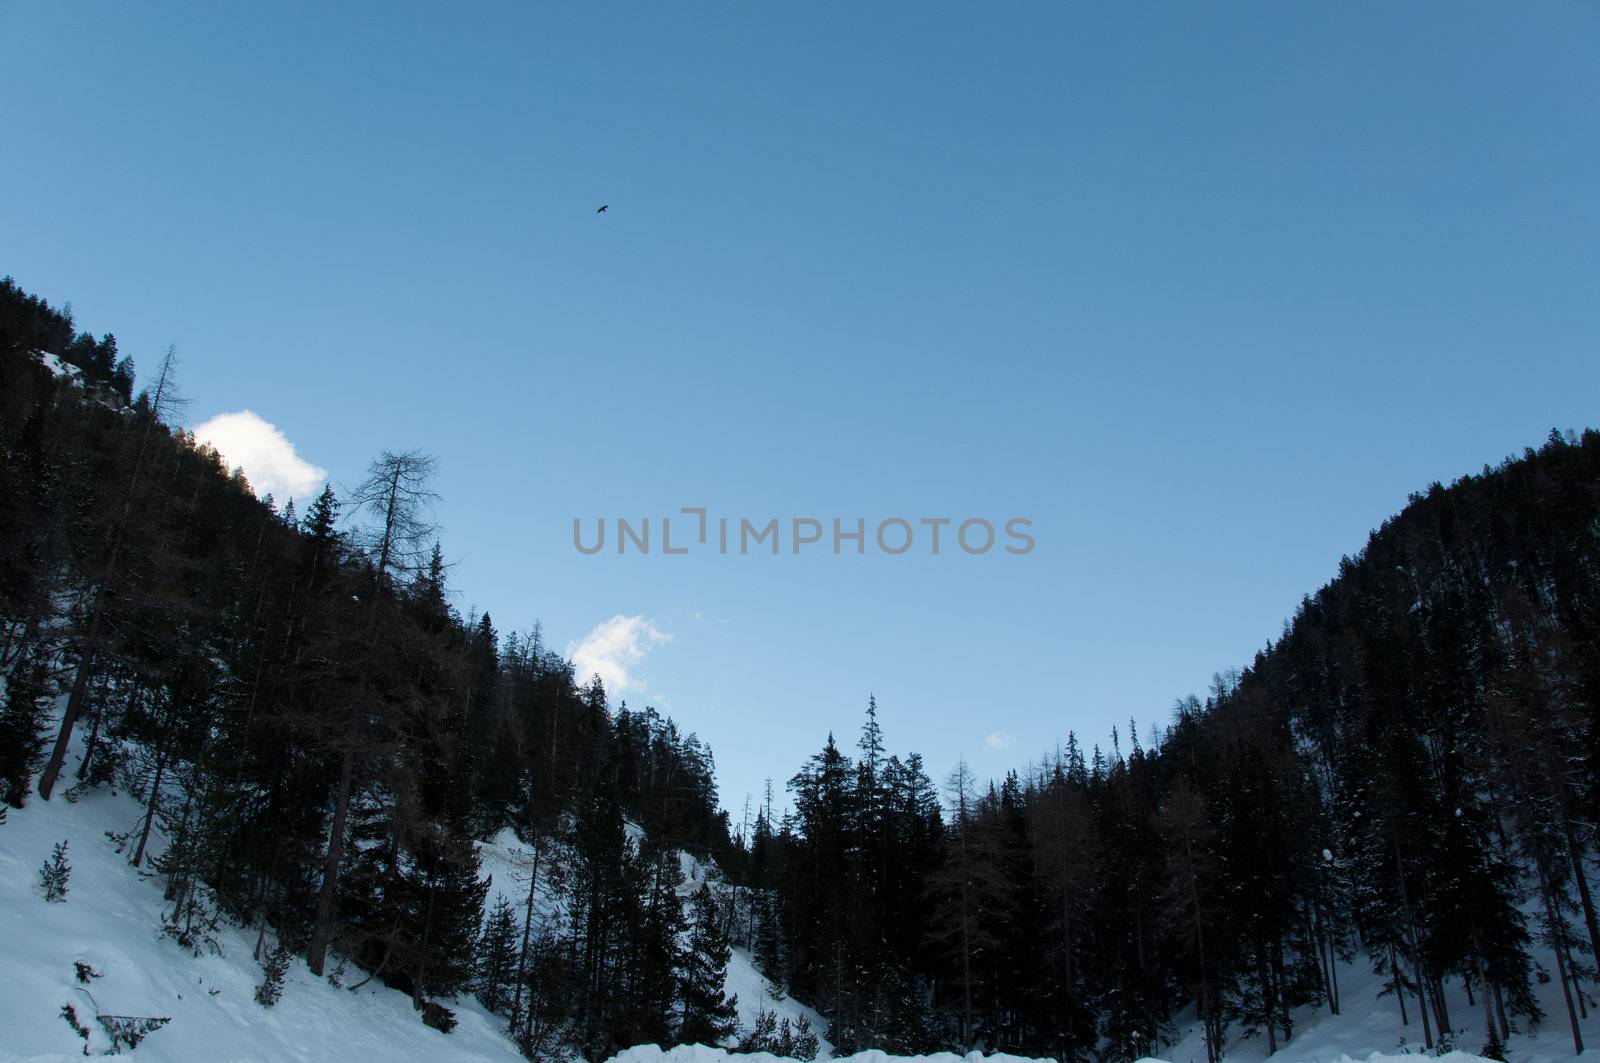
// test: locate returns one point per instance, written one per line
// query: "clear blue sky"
(1203, 290)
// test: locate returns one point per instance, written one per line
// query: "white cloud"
(248, 442)
(612, 649)
(1000, 740)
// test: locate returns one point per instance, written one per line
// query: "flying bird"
(602, 209)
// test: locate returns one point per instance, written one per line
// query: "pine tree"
(655, 954)
(709, 1015)
(54, 873)
(545, 1023)
(497, 958)
(762, 1036)
(23, 729)
(797, 1040)
(964, 889)
(769, 935)
(270, 991)
(606, 888)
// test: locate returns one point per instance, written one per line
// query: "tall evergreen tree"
(709, 1014)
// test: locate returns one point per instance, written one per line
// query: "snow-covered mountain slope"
(1368, 1025)
(112, 912)
(508, 863)
(110, 919)
(754, 991)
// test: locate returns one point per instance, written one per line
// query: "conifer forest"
(317, 744)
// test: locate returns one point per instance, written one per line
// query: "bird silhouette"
(602, 209)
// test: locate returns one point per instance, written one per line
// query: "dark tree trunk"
(322, 931)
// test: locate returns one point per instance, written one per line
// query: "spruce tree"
(497, 958)
(769, 935)
(709, 1015)
(270, 991)
(54, 873)
(23, 729)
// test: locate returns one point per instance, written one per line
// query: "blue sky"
(1203, 291)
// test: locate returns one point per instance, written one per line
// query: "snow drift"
(703, 1054)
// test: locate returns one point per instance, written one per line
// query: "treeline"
(315, 735)
(28, 323)
(1408, 773)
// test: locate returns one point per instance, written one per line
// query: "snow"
(109, 920)
(507, 862)
(57, 367)
(1375, 1057)
(110, 917)
(754, 990)
(703, 1054)
(755, 994)
(1368, 1029)
(111, 913)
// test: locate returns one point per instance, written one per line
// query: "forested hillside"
(322, 746)
(1407, 775)
(316, 735)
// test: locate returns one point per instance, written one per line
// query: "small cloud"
(1000, 740)
(612, 649)
(248, 442)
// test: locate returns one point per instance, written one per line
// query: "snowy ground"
(508, 864)
(111, 914)
(109, 920)
(1288, 1056)
(702, 1054)
(1367, 1026)
(754, 991)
